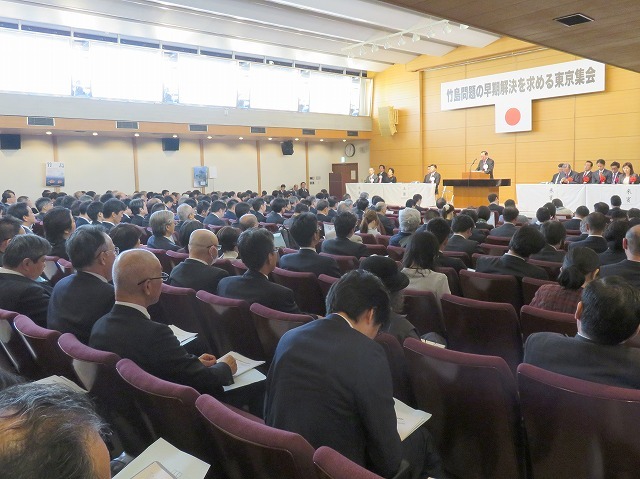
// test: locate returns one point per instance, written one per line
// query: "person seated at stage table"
(382, 175)
(607, 317)
(509, 228)
(554, 234)
(574, 223)
(628, 268)
(586, 176)
(614, 233)
(579, 267)
(616, 174)
(163, 226)
(601, 175)
(557, 177)
(409, 219)
(58, 226)
(526, 241)
(462, 226)
(570, 176)
(391, 175)
(372, 177)
(595, 223)
(345, 224)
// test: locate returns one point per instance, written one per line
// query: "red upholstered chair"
(252, 450)
(115, 400)
(398, 367)
(230, 325)
(239, 267)
(378, 249)
(494, 249)
(271, 326)
(43, 344)
(345, 263)
(325, 283)
(215, 228)
(226, 265)
(161, 254)
(305, 288)
(497, 288)
(383, 239)
(461, 255)
(577, 428)
(367, 238)
(497, 240)
(396, 253)
(17, 353)
(52, 270)
(176, 258)
(530, 286)
(66, 266)
(273, 227)
(38, 228)
(423, 311)
(333, 465)
(480, 327)
(452, 278)
(552, 268)
(535, 320)
(476, 421)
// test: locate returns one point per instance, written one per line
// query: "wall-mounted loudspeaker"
(387, 120)
(170, 144)
(10, 142)
(287, 147)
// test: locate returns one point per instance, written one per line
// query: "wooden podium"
(473, 188)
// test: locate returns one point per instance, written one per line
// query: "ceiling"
(318, 32)
(613, 37)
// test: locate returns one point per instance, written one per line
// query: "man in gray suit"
(433, 176)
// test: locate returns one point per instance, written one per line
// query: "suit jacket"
(443, 261)
(629, 270)
(254, 287)
(611, 257)
(274, 218)
(400, 239)
(581, 358)
(25, 296)
(230, 215)
(495, 207)
(508, 264)
(161, 242)
(387, 223)
(573, 239)
(616, 178)
(212, 219)
(597, 176)
(490, 164)
(549, 253)
(59, 249)
(332, 385)
(81, 221)
(69, 315)
(616, 209)
(459, 243)
(556, 178)
(107, 226)
(196, 275)
(308, 261)
(323, 218)
(137, 220)
(596, 243)
(371, 179)
(589, 175)
(344, 247)
(382, 177)
(260, 216)
(507, 230)
(152, 346)
(572, 224)
(434, 178)
(302, 193)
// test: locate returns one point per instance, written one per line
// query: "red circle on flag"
(512, 116)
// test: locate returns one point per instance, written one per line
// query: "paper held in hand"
(246, 373)
(409, 419)
(183, 336)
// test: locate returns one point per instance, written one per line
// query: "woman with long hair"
(371, 223)
(418, 262)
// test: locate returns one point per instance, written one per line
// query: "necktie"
(615, 178)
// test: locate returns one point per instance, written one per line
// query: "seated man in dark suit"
(462, 227)
(9, 227)
(128, 330)
(345, 224)
(595, 224)
(112, 213)
(258, 253)
(79, 300)
(163, 225)
(322, 208)
(629, 268)
(138, 211)
(230, 212)
(494, 204)
(330, 383)
(579, 214)
(278, 206)
(385, 221)
(508, 229)
(259, 207)
(607, 316)
(409, 220)
(616, 203)
(554, 234)
(441, 230)
(527, 241)
(484, 214)
(196, 271)
(24, 261)
(614, 233)
(305, 233)
(216, 213)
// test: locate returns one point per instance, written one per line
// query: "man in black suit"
(258, 253)
(558, 177)
(196, 271)
(595, 224)
(138, 211)
(601, 175)
(128, 331)
(387, 223)
(462, 226)
(330, 383)
(23, 213)
(278, 205)
(305, 233)
(79, 300)
(112, 213)
(9, 227)
(433, 176)
(615, 233)
(303, 192)
(509, 228)
(486, 164)
(216, 214)
(616, 175)
(607, 316)
(24, 261)
(484, 214)
(230, 212)
(527, 241)
(163, 225)
(616, 211)
(345, 224)
(587, 175)
(574, 223)
(441, 230)
(629, 268)
(259, 209)
(554, 234)
(494, 204)
(382, 175)
(322, 208)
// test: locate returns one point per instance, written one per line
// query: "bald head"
(632, 241)
(248, 221)
(137, 277)
(203, 245)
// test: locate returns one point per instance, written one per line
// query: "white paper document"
(161, 460)
(250, 377)
(409, 419)
(183, 336)
(61, 381)
(244, 363)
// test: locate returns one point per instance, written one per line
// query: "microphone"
(473, 163)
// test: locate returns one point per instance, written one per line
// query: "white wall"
(236, 165)
(276, 168)
(171, 170)
(23, 170)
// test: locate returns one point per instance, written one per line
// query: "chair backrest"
(271, 326)
(16, 351)
(52, 270)
(497, 240)
(331, 464)
(530, 286)
(398, 367)
(396, 253)
(165, 262)
(252, 450)
(43, 344)
(535, 320)
(273, 227)
(383, 239)
(577, 428)
(492, 249)
(461, 255)
(476, 418)
(378, 249)
(552, 268)
(345, 263)
(497, 288)
(423, 311)
(226, 265)
(239, 267)
(230, 325)
(367, 238)
(325, 283)
(481, 327)
(452, 278)
(305, 287)
(176, 258)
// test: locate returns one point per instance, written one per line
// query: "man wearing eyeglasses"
(80, 299)
(128, 331)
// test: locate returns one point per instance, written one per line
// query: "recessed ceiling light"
(240, 138)
(175, 136)
(321, 139)
(344, 141)
(95, 133)
(209, 137)
(463, 26)
(269, 138)
(136, 134)
(297, 139)
(47, 132)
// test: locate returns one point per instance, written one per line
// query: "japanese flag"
(513, 114)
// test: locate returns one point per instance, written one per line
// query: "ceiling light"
(240, 138)
(95, 133)
(136, 134)
(415, 38)
(47, 132)
(387, 45)
(401, 41)
(344, 141)
(463, 26)
(447, 28)
(269, 138)
(432, 34)
(209, 137)
(296, 139)
(362, 51)
(175, 136)
(321, 139)
(375, 48)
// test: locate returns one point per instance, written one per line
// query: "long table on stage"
(532, 197)
(395, 194)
